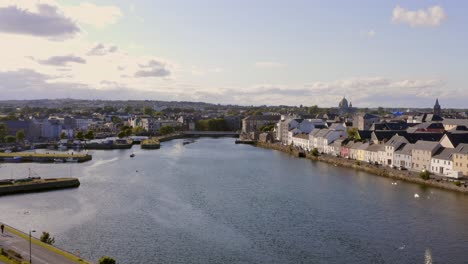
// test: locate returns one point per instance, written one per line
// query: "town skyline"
(399, 54)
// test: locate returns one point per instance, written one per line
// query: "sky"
(246, 52)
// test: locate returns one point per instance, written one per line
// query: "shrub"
(457, 183)
(425, 175)
(106, 260)
(315, 152)
(46, 238)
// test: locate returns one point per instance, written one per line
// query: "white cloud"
(431, 17)
(269, 65)
(41, 20)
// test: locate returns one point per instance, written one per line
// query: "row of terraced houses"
(424, 142)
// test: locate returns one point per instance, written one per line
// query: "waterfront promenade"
(13, 239)
(406, 175)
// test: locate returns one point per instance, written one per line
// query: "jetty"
(36, 184)
(43, 157)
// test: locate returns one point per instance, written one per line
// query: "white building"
(391, 146)
(402, 157)
(442, 163)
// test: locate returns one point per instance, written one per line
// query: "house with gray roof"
(442, 162)
(403, 156)
(422, 153)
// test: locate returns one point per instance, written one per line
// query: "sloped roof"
(457, 138)
(444, 154)
(462, 149)
(264, 117)
(414, 137)
(406, 150)
(425, 145)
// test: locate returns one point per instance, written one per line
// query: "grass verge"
(46, 246)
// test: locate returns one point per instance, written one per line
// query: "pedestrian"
(2, 227)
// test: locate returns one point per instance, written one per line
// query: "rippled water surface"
(216, 202)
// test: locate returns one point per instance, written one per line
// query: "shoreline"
(382, 171)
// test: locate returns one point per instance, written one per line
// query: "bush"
(457, 183)
(165, 130)
(425, 175)
(46, 238)
(106, 260)
(315, 152)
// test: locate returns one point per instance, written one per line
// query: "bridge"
(211, 133)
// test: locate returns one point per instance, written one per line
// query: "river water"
(216, 202)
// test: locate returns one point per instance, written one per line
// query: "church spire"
(437, 108)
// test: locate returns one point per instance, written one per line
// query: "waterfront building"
(403, 157)
(391, 146)
(301, 140)
(346, 150)
(361, 152)
(442, 162)
(460, 159)
(255, 123)
(322, 138)
(354, 149)
(372, 153)
(422, 153)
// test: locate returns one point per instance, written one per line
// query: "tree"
(313, 110)
(217, 124)
(128, 109)
(89, 135)
(353, 133)
(10, 139)
(315, 152)
(116, 120)
(20, 135)
(148, 111)
(165, 130)
(267, 128)
(128, 132)
(425, 175)
(3, 132)
(138, 130)
(46, 238)
(63, 135)
(121, 134)
(80, 135)
(106, 260)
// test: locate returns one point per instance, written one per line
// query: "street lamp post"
(30, 256)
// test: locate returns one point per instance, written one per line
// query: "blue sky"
(389, 53)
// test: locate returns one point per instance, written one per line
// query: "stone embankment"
(43, 157)
(388, 172)
(37, 185)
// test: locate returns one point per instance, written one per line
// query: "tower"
(437, 108)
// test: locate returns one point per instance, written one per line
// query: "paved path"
(40, 255)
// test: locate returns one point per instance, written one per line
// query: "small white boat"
(71, 160)
(58, 160)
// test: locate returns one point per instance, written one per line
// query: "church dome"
(343, 103)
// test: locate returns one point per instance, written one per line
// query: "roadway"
(40, 255)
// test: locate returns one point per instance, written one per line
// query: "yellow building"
(460, 159)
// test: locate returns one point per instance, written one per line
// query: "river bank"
(388, 172)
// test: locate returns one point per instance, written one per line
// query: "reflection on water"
(216, 202)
